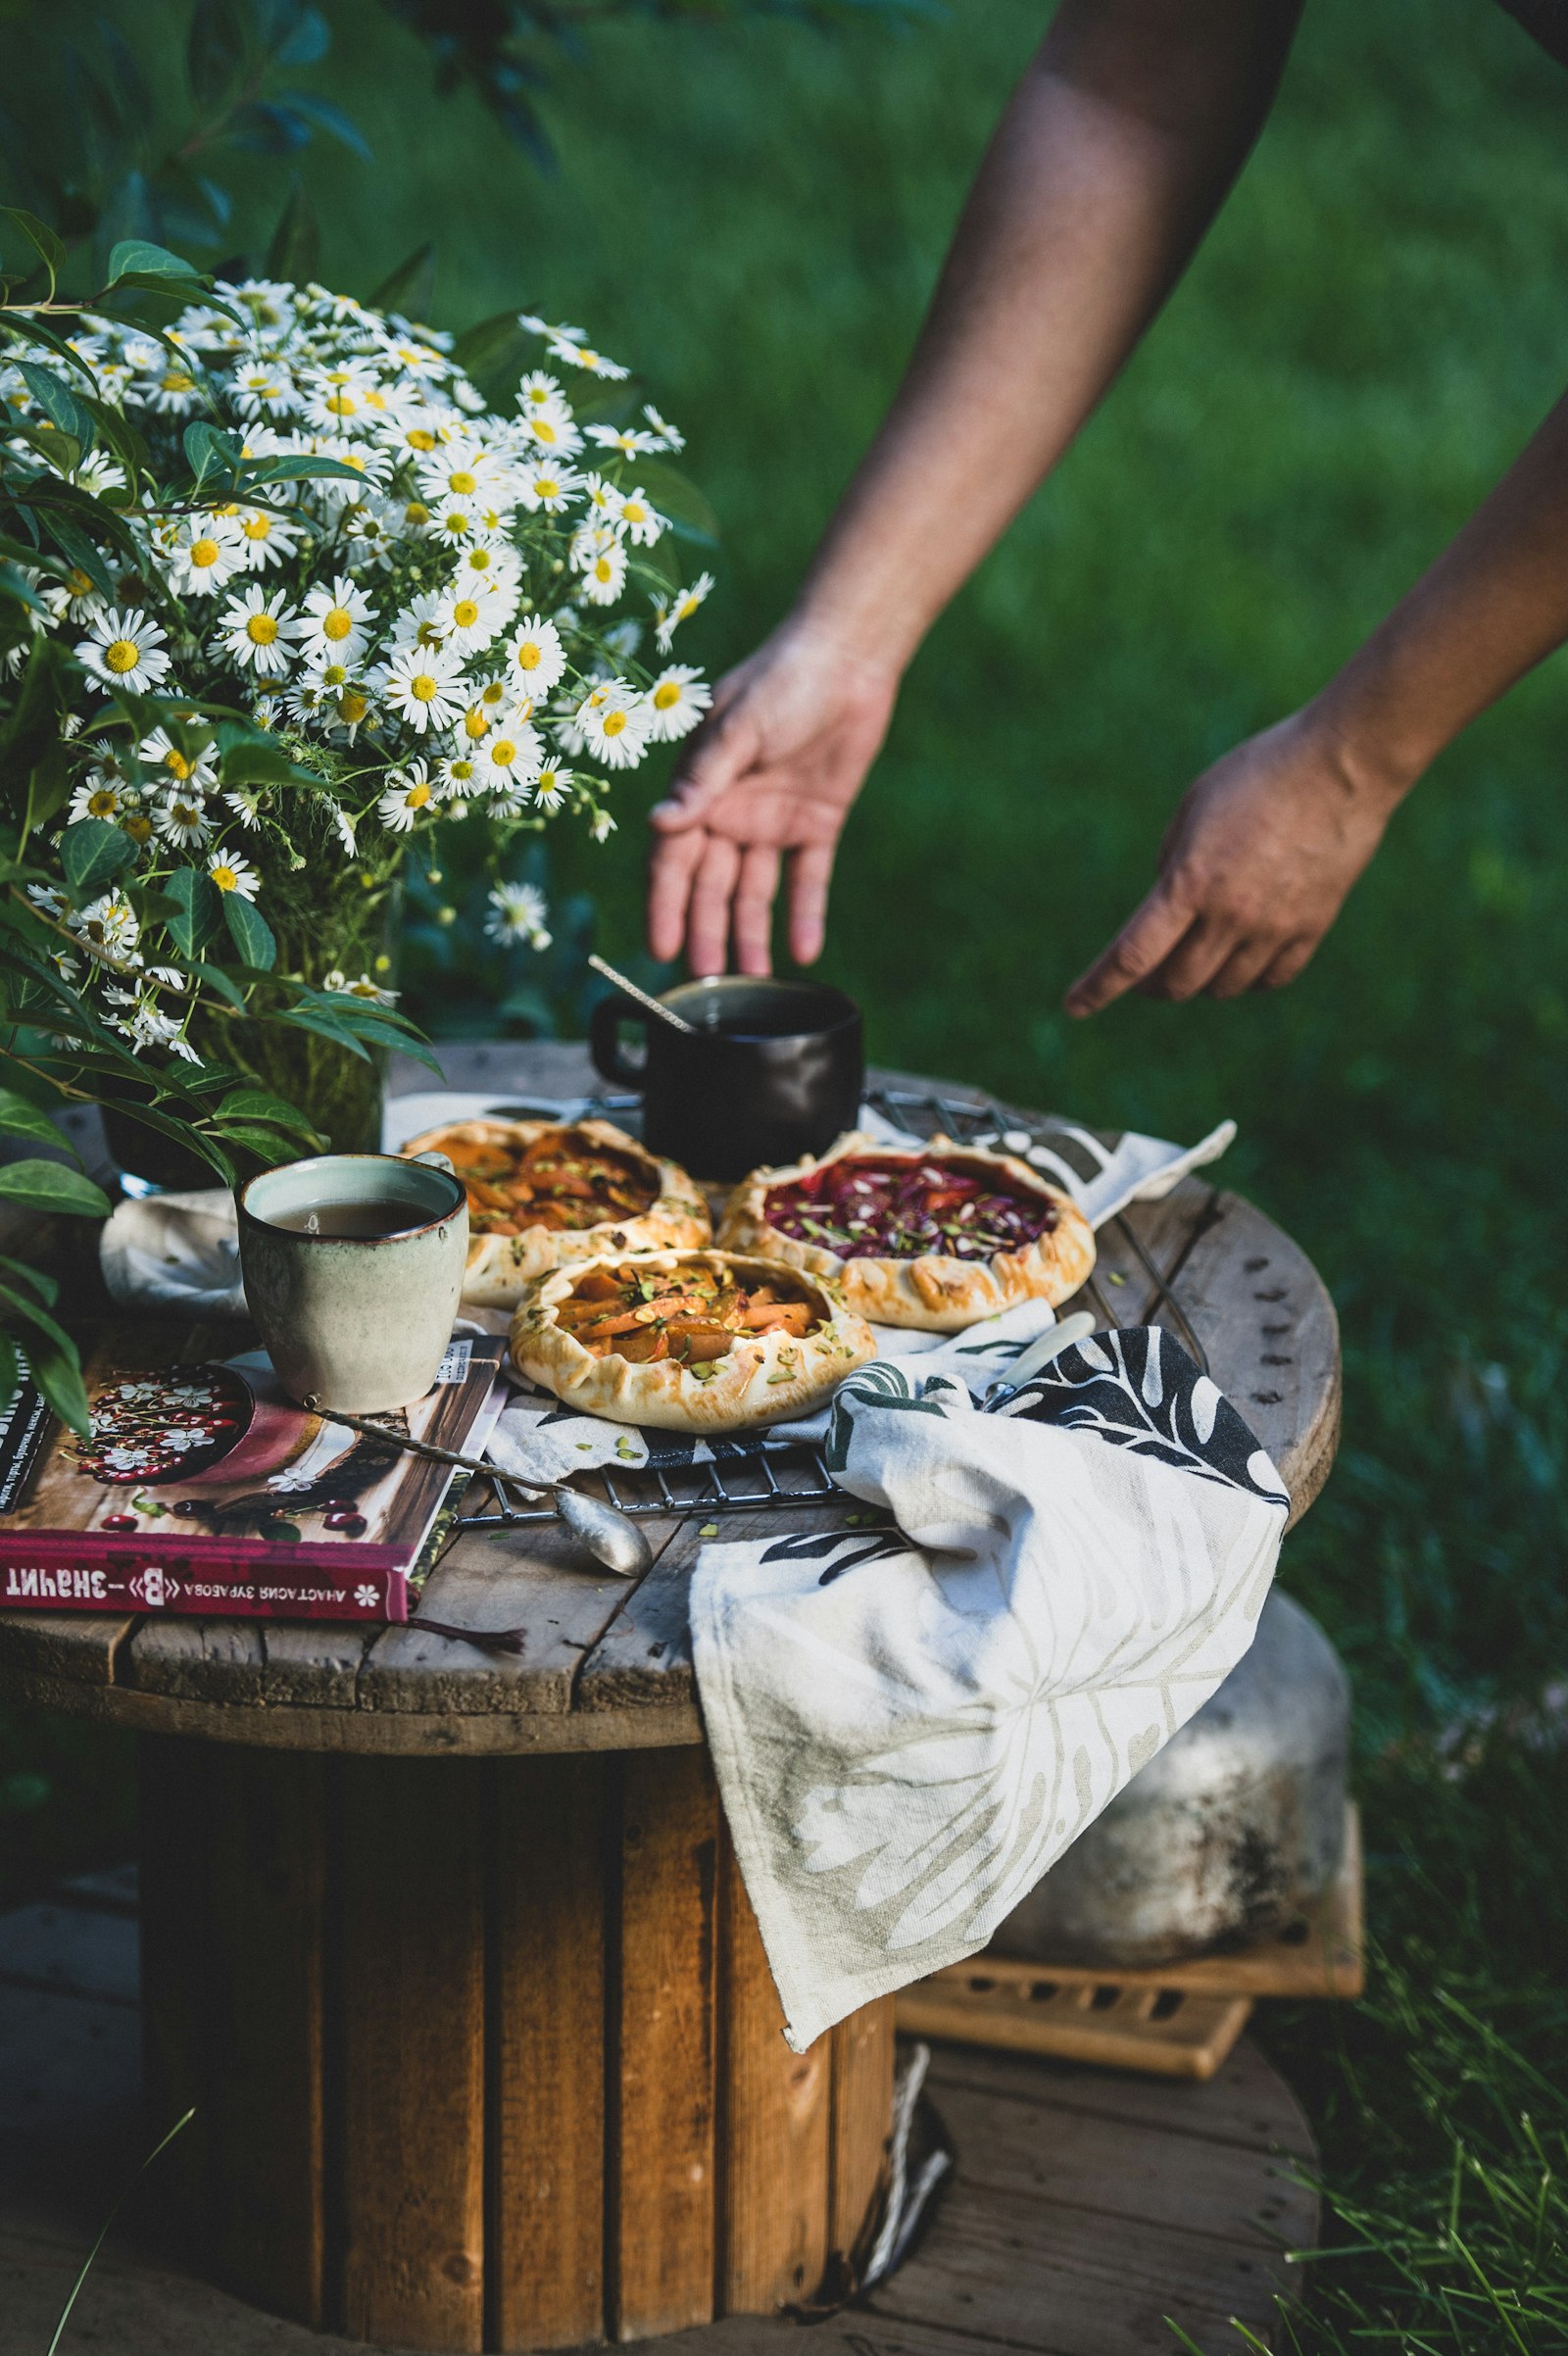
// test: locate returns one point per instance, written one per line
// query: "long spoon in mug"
(611, 1536)
(677, 1022)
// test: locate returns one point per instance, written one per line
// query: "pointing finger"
(1147, 936)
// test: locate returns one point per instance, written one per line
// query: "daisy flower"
(458, 775)
(423, 686)
(667, 434)
(567, 346)
(345, 825)
(669, 618)
(195, 770)
(552, 783)
(174, 392)
(125, 649)
(547, 486)
(421, 623)
(262, 389)
(536, 655)
(108, 925)
(557, 436)
(335, 623)
(246, 801)
(339, 984)
(472, 620)
(635, 515)
(409, 796)
(267, 538)
(207, 552)
(184, 821)
(628, 439)
(517, 913)
(97, 797)
(616, 724)
(254, 631)
(512, 756)
(463, 472)
(73, 598)
(678, 697)
(232, 872)
(496, 568)
(604, 573)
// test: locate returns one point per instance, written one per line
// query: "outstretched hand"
(1255, 867)
(773, 772)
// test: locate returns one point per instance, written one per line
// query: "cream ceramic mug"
(353, 1266)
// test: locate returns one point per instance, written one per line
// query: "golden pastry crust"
(762, 1377)
(929, 1290)
(500, 1267)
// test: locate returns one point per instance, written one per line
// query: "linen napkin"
(911, 1725)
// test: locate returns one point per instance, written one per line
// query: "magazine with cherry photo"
(205, 1490)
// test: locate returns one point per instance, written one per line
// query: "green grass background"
(753, 216)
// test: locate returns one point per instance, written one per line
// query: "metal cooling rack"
(787, 1479)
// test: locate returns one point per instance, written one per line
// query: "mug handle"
(604, 1041)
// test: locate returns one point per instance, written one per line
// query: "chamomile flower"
(230, 871)
(536, 655)
(669, 616)
(678, 697)
(246, 801)
(600, 497)
(264, 388)
(175, 391)
(547, 485)
(567, 346)
(423, 687)
(616, 724)
(668, 437)
(510, 757)
(73, 598)
(336, 622)
(604, 570)
(108, 925)
(629, 440)
(206, 553)
(255, 632)
(422, 623)
(553, 433)
(463, 472)
(177, 768)
(517, 913)
(552, 783)
(539, 390)
(409, 796)
(181, 820)
(371, 992)
(337, 397)
(125, 649)
(493, 568)
(456, 777)
(97, 797)
(471, 618)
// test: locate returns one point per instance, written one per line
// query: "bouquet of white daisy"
(284, 583)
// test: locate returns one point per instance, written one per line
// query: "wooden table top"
(606, 1665)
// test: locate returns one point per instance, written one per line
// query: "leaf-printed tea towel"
(911, 1725)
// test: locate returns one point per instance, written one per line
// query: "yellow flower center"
(139, 829)
(122, 655)
(480, 561)
(342, 405)
(338, 623)
(204, 553)
(422, 687)
(419, 438)
(415, 513)
(587, 359)
(604, 570)
(457, 520)
(502, 753)
(375, 400)
(103, 804)
(474, 723)
(77, 582)
(547, 486)
(429, 633)
(184, 814)
(529, 655)
(634, 512)
(177, 381)
(461, 770)
(614, 722)
(176, 765)
(495, 693)
(544, 431)
(261, 629)
(351, 705)
(418, 796)
(257, 527)
(667, 695)
(352, 457)
(225, 878)
(465, 613)
(461, 483)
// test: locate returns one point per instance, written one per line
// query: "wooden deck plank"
(1248, 2104)
(197, 1660)
(643, 1661)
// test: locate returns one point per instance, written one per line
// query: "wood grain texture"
(663, 2055)
(775, 2119)
(263, 2092)
(197, 1660)
(544, 2098)
(408, 2008)
(862, 2106)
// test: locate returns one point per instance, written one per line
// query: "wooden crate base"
(1179, 2021)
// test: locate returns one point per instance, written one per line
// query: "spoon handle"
(424, 1448)
(644, 997)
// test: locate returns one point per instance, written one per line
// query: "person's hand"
(1255, 867)
(773, 770)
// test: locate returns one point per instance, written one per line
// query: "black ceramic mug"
(773, 1070)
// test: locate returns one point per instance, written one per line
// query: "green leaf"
(260, 1104)
(47, 1288)
(14, 583)
(295, 250)
(214, 50)
(51, 1185)
(211, 450)
(305, 1018)
(56, 1370)
(250, 932)
(45, 244)
(10, 1370)
(257, 760)
(273, 1146)
(80, 551)
(495, 354)
(20, 1118)
(218, 980)
(305, 41)
(200, 906)
(58, 401)
(411, 288)
(296, 467)
(93, 854)
(138, 262)
(323, 115)
(677, 498)
(48, 784)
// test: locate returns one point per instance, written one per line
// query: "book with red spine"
(204, 1491)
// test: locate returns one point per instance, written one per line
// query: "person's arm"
(1112, 159)
(1258, 859)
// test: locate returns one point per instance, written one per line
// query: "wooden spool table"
(485, 2053)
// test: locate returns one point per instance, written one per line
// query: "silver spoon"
(1051, 1345)
(611, 1536)
(644, 997)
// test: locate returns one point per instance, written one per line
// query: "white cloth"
(911, 1725)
